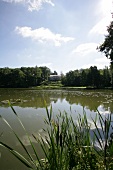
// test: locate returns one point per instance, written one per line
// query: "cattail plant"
(68, 144)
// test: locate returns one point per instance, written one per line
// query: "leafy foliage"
(107, 45)
(23, 77)
(88, 77)
(37, 76)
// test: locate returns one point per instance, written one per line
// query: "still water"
(29, 105)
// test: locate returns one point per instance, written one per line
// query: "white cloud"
(32, 4)
(33, 64)
(86, 48)
(45, 64)
(42, 35)
(105, 8)
(13, 1)
(99, 62)
(101, 27)
(102, 60)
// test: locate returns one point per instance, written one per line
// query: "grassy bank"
(57, 87)
(68, 145)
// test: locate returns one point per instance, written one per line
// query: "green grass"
(68, 145)
(50, 87)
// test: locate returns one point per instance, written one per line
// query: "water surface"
(29, 104)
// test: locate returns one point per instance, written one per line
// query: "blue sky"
(60, 34)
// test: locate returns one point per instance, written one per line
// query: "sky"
(60, 34)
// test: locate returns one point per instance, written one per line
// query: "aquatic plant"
(68, 145)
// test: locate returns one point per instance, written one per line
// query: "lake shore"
(50, 87)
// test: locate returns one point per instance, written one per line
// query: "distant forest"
(35, 76)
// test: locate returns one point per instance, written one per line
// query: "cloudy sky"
(60, 34)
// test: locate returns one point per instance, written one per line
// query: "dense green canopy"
(107, 45)
(35, 76)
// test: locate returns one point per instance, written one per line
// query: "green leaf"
(17, 155)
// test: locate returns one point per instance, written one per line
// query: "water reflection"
(35, 99)
(29, 104)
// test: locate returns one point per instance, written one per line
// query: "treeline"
(35, 76)
(23, 77)
(88, 77)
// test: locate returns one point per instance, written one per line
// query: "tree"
(70, 78)
(107, 47)
(54, 73)
(105, 77)
(83, 77)
(45, 73)
(17, 78)
(37, 76)
(6, 77)
(94, 76)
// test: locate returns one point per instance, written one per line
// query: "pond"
(29, 105)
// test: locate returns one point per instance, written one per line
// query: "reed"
(68, 144)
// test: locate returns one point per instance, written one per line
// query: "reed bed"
(68, 145)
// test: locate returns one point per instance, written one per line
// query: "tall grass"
(68, 144)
